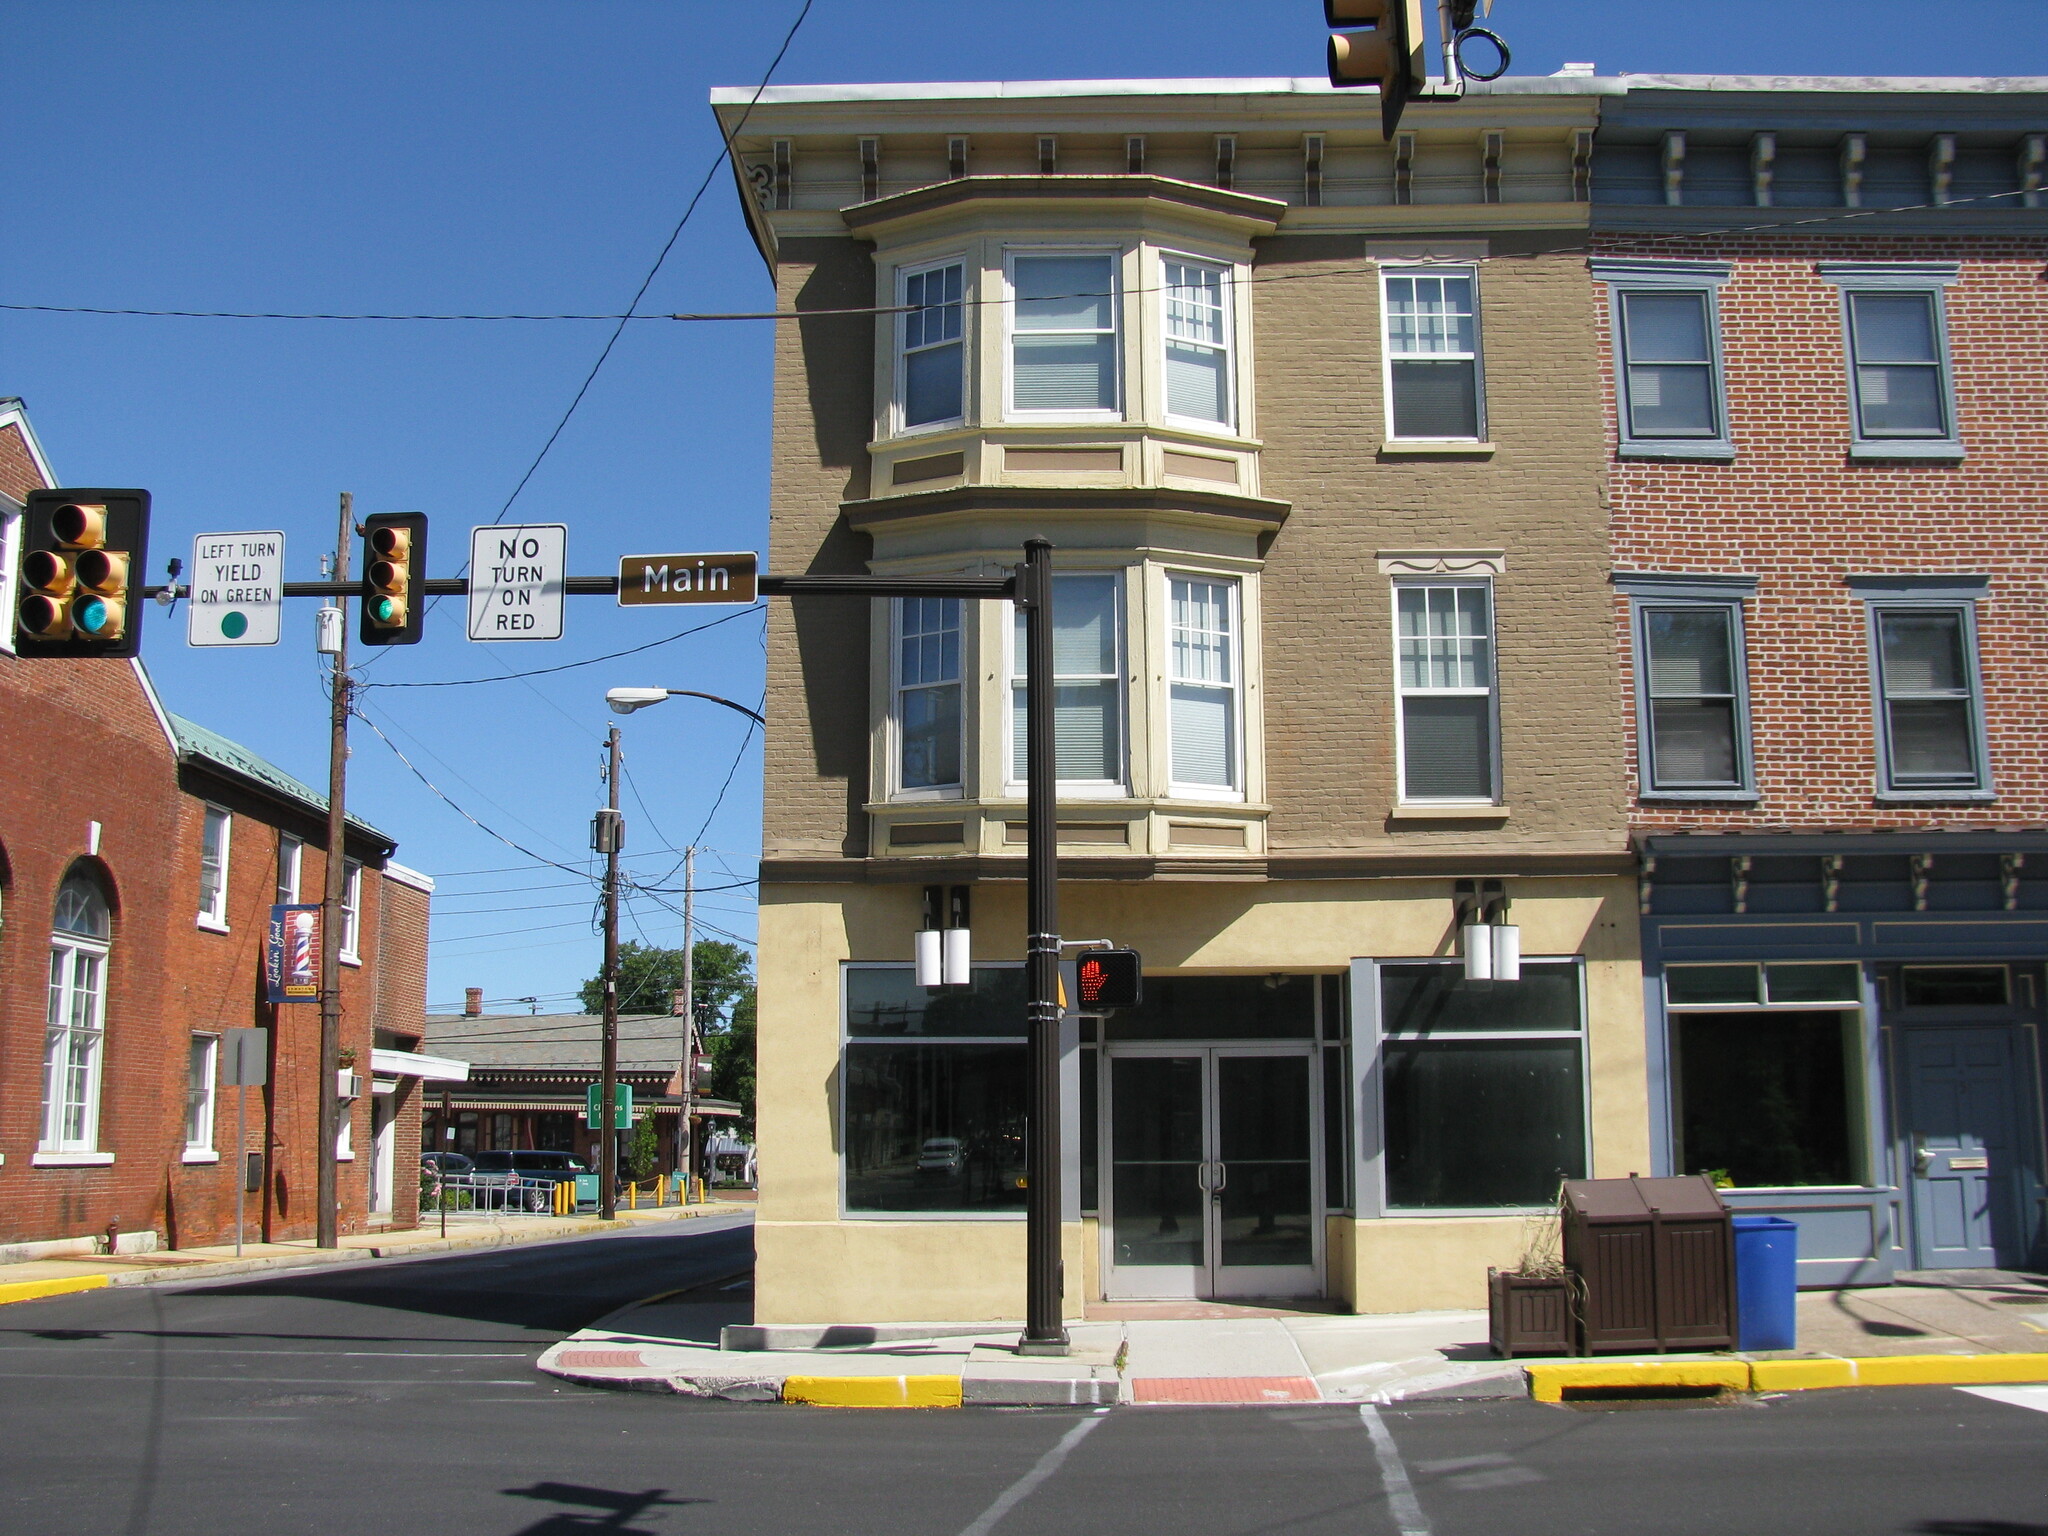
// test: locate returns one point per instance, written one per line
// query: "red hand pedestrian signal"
(1110, 978)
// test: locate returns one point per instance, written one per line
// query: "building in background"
(1313, 421)
(140, 854)
(1826, 336)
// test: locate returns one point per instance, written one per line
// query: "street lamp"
(608, 836)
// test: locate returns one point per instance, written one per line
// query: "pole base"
(1059, 1346)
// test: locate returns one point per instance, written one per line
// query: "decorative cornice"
(1054, 498)
(1395, 864)
(1442, 562)
(1264, 211)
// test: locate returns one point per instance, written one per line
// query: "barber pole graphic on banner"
(291, 960)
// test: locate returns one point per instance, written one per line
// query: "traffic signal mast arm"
(771, 586)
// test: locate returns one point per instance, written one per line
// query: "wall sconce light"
(943, 950)
(1490, 944)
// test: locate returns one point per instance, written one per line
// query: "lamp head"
(625, 700)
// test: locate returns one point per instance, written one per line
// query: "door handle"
(1202, 1177)
(1923, 1161)
(1222, 1178)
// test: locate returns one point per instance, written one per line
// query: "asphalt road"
(400, 1398)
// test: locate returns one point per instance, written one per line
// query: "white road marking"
(2035, 1398)
(1021, 1489)
(1401, 1500)
(1471, 1473)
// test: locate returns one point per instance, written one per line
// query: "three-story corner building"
(1313, 421)
(1825, 335)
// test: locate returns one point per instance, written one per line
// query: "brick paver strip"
(605, 1359)
(1225, 1389)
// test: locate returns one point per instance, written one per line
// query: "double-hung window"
(928, 693)
(213, 868)
(1929, 697)
(1432, 351)
(351, 911)
(76, 1018)
(1444, 639)
(1088, 699)
(1901, 398)
(1667, 346)
(201, 1070)
(1482, 1085)
(291, 854)
(1063, 335)
(1196, 299)
(931, 370)
(10, 553)
(1202, 673)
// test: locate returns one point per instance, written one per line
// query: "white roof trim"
(432, 1069)
(15, 414)
(156, 705)
(393, 870)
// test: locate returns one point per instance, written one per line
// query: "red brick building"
(135, 902)
(1826, 337)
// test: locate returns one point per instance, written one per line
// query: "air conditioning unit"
(348, 1085)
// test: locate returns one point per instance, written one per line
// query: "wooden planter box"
(1529, 1314)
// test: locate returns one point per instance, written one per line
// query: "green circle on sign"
(234, 625)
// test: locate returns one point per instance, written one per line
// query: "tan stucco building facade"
(1314, 423)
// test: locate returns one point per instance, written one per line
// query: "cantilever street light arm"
(625, 700)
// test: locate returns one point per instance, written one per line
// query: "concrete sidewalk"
(1988, 1328)
(37, 1278)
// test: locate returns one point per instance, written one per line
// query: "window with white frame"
(213, 868)
(291, 859)
(1901, 397)
(1444, 635)
(931, 350)
(928, 693)
(1432, 351)
(351, 910)
(1195, 298)
(1063, 334)
(1088, 700)
(201, 1070)
(1694, 718)
(76, 1019)
(1202, 681)
(1929, 699)
(10, 552)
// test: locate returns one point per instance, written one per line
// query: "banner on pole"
(291, 960)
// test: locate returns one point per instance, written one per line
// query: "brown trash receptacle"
(1656, 1258)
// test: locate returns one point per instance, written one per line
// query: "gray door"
(1962, 1136)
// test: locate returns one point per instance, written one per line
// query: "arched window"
(74, 1042)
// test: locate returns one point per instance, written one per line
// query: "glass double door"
(1212, 1172)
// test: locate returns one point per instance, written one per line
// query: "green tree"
(641, 1156)
(649, 976)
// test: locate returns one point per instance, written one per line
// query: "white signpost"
(516, 576)
(237, 589)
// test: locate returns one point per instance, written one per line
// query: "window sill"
(200, 1155)
(1448, 812)
(1397, 449)
(213, 925)
(1724, 796)
(1720, 453)
(71, 1159)
(1935, 796)
(1941, 452)
(344, 1157)
(348, 959)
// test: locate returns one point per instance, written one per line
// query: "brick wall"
(1796, 513)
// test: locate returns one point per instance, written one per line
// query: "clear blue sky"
(510, 156)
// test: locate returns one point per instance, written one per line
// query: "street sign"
(622, 1105)
(727, 578)
(237, 589)
(515, 581)
(244, 1058)
(1110, 978)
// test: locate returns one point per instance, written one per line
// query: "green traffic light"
(383, 609)
(89, 616)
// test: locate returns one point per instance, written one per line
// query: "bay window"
(1202, 682)
(1063, 334)
(1088, 731)
(928, 689)
(930, 345)
(1196, 302)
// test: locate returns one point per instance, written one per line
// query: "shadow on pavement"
(610, 1508)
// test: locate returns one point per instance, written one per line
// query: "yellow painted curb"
(1801, 1375)
(873, 1391)
(1548, 1383)
(1948, 1370)
(31, 1290)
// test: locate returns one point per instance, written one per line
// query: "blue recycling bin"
(1766, 1282)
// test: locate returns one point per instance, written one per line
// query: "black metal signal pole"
(1044, 1327)
(611, 836)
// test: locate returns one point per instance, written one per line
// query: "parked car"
(528, 1177)
(941, 1160)
(445, 1164)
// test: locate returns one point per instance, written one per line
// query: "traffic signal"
(80, 552)
(1388, 55)
(1110, 978)
(394, 574)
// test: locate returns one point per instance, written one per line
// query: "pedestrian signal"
(1110, 978)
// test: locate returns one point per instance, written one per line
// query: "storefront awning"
(432, 1069)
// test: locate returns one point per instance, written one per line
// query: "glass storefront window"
(885, 1000)
(1767, 1097)
(1220, 1008)
(1476, 1123)
(934, 1127)
(1711, 984)
(1953, 986)
(1840, 983)
(1437, 999)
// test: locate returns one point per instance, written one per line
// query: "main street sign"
(237, 589)
(516, 575)
(726, 578)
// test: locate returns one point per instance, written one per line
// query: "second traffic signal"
(394, 574)
(1390, 55)
(80, 551)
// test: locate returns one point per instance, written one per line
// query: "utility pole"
(1045, 1330)
(689, 1017)
(328, 1233)
(610, 836)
